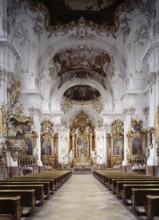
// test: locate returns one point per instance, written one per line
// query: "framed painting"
(136, 146)
(46, 145)
(117, 146)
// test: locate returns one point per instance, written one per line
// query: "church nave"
(83, 197)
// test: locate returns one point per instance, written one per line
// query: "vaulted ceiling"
(101, 12)
(83, 61)
(98, 11)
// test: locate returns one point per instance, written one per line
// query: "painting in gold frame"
(117, 146)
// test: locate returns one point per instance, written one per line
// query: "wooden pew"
(127, 177)
(54, 181)
(116, 181)
(38, 180)
(59, 177)
(6, 217)
(27, 200)
(107, 176)
(120, 184)
(17, 182)
(139, 199)
(102, 175)
(152, 207)
(11, 206)
(39, 191)
(126, 193)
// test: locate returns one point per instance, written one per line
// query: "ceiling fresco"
(101, 12)
(82, 93)
(82, 60)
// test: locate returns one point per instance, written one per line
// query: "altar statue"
(93, 156)
(70, 156)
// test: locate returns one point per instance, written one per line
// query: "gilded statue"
(14, 91)
(117, 126)
(46, 126)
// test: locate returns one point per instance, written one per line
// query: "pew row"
(119, 188)
(117, 182)
(10, 206)
(126, 193)
(152, 207)
(57, 178)
(27, 199)
(45, 184)
(37, 180)
(107, 176)
(127, 187)
(39, 191)
(139, 199)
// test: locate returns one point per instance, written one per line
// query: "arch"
(57, 95)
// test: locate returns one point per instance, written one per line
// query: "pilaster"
(35, 112)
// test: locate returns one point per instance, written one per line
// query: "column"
(35, 112)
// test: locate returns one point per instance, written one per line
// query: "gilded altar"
(82, 160)
(82, 141)
(137, 143)
(115, 144)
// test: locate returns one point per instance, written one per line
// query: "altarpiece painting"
(82, 140)
(137, 143)
(47, 142)
(115, 144)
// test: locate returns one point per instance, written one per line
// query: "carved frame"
(116, 142)
(137, 143)
(47, 158)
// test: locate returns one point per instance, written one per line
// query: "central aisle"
(83, 197)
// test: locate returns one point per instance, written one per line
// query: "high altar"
(82, 141)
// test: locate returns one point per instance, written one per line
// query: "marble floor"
(83, 197)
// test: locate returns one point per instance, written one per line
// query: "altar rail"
(82, 169)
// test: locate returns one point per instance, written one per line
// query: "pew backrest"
(11, 206)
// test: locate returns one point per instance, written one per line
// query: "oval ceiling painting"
(82, 93)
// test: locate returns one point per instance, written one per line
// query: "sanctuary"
(79, 86)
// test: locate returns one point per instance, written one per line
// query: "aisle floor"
(83, 197)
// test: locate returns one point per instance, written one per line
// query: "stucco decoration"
(21, 32)
(97, 105)
(11, 49)
(66, 105)
(97, 14)
(47, 126)
(81, 30)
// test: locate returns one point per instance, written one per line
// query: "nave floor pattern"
(83, 197)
